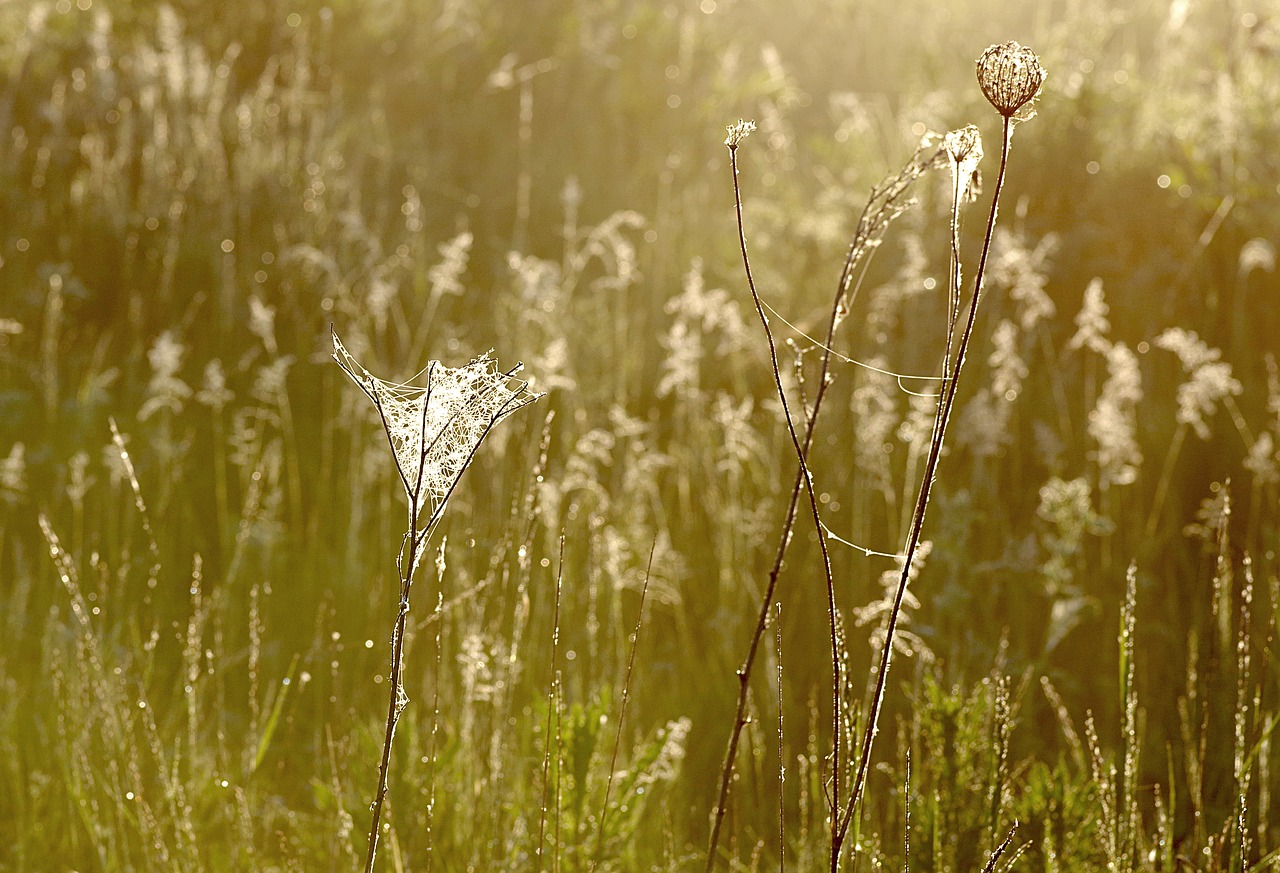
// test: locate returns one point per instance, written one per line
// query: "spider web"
(435, 428)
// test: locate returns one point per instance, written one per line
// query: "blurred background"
(194, 650)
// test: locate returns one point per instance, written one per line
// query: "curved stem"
(803, 474)
(945, 405)
(882, 207)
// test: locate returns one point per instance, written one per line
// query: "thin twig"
(807, 476)
(945, 404)
(884, 204)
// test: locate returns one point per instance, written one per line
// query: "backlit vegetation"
(199, 514)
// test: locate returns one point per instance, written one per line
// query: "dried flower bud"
(1010, 76)
(738, 132)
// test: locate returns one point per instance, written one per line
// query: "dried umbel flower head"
(738, 132)
(964, 153)
(964, 144)
(1010, 75)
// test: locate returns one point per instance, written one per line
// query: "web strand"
(900, 377)
(870, 553)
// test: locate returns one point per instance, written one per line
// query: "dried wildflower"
(1010, 75)
(738, 132)
(964, 151)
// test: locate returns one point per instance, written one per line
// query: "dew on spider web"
(435, 427)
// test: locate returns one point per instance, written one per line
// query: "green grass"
(193, 655)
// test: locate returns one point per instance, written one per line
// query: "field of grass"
(200, 514)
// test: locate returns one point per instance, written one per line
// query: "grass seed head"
(1010, 75)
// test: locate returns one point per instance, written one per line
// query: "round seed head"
(1010, 75)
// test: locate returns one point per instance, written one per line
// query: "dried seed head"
(964, 144)
(1010, 75)
(964, 149)
(738, 132)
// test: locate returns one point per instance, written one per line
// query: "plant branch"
(885, 203)
(942, 418)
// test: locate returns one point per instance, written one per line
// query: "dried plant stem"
(415, 538)
(807, 478)
(396, 704)
(782, 765)
(945, 404)
(882, 207)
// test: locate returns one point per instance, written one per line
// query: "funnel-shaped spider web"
(435, 428)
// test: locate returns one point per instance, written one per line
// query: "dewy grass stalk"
(622, 712)
(434, 432)
(552, 710)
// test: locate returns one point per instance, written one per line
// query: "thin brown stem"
(394, 705)
(883, 205)
(943, 417)
(807, 477)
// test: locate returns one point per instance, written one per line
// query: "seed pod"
(1010, 75)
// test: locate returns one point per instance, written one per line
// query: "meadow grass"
(198, 516)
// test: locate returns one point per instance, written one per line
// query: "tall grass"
(193, 672)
